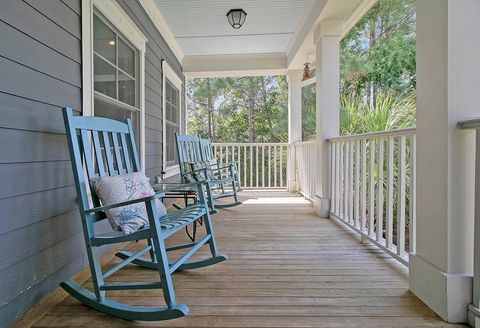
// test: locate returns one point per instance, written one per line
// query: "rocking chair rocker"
(91, 141)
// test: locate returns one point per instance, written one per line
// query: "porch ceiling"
(201, 28)
(276, 37)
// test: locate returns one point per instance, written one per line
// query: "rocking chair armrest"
(128, 202)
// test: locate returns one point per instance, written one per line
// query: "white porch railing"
(260, 165)
(373, 188)
(305, 156)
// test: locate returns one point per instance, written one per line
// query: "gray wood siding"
(157, 49)
(40, 72)
(41, 243)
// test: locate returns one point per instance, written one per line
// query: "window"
(172, 90)
(115, 66)
(172, 120)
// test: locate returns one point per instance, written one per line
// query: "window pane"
(126, 57)
(103, 40)
(126, 89)
(104, 109)
(171, 149)
(104, 77)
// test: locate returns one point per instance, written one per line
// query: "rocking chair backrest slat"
(125, 153)
(188, 150)
(206, 149)
(92, 141)
(98, 153)
(108, 153)
(132, 148)
(116, 150)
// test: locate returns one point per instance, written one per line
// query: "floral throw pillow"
(121, 188)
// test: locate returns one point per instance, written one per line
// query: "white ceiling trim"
(162, 26)
(235, 65)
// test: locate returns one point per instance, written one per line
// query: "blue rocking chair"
(194, 166)
(103, 147)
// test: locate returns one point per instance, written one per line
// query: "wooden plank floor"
(286, 268)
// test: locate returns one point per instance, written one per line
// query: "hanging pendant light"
(306, 70)
(236, 17)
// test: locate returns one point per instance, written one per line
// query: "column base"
(321, 206)
(448, 295)
(292, 186)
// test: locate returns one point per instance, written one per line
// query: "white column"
(294, 78)
(327, 40)
(448, 48)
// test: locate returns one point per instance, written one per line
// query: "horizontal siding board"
(153, 123)
(153, 162)
(153, 109)
(59, 13)
(31, 22)
(22, 178)
(153, 96)
(41, 205)
(150, 136)
(22, 81)
(27, 51)
(74, 5)
(153, 84)
(19, 278)
(21, 113)
(153, 69)
(153, 148)
(23, 301)
(22, 243)
(30, 146)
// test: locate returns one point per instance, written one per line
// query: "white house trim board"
(235, 65)
(155, 15)
(122, 22)
(169, 73)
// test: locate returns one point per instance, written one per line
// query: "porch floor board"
(286, 268)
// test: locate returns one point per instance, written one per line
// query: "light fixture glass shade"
(236, 17)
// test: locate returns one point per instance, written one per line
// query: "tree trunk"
(210, 118)
(251, 112)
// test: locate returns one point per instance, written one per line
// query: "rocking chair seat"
(170, 223)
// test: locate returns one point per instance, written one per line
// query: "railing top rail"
(470, 124)
(375, 135)
(249, 144)
(308, 142)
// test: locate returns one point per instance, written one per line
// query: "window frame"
(176, 81)
(125, 28)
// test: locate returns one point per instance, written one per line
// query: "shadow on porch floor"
(286, 268)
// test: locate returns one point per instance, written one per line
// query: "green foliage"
(389, 112)
(379, 54)
(241, 109)
(308, 112)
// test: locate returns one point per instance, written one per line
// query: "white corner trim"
(114, 13)
(156, 16)
(87, 59)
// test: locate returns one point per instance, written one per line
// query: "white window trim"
(118, 18)
(169, 73)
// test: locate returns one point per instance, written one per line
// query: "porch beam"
(447, 92)
(327, 42)
(294, 78)
(235, 65)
